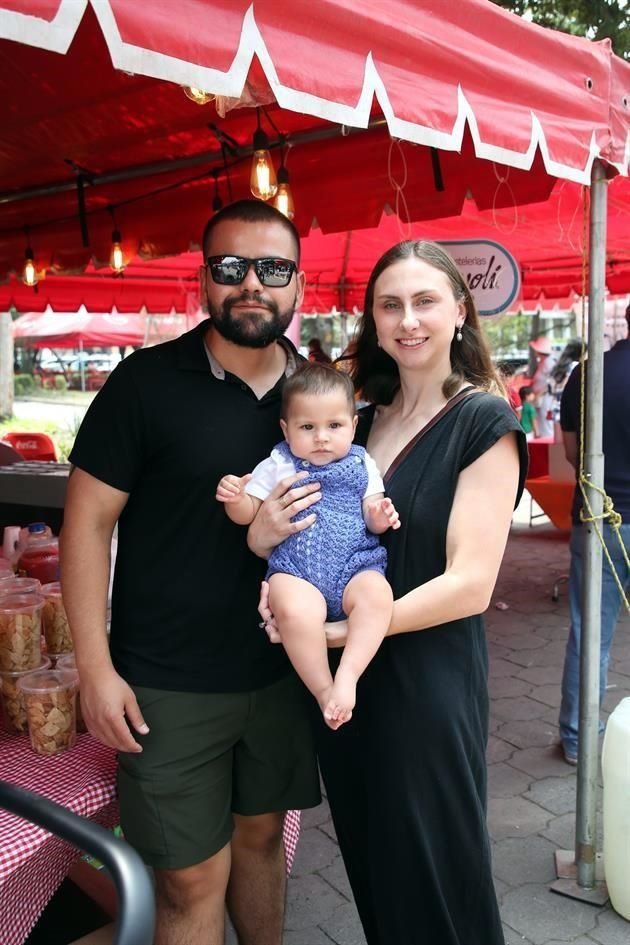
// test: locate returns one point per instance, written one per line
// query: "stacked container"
(20, 652)
(55, 622)
(50, 701)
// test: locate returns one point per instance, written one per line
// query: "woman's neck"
(418, 396)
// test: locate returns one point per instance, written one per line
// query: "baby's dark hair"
(524, 392)
(314, 378)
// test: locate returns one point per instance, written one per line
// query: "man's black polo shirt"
(165, 429)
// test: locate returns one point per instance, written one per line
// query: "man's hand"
(108, 703)
(230, 488)
(268, 620)
(273, 521)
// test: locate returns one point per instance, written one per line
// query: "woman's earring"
(459, 335)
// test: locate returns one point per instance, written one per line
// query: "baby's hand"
(384, 514)
(231, 488)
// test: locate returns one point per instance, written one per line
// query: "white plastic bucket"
(616, 807)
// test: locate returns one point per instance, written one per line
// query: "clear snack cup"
(12, 699)
(50, 701)
(6, 577)
(20, 585)
(55, 622)
(68, 662)
(20, 632)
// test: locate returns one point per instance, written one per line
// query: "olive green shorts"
(209, 756)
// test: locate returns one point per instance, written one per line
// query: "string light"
(283, 200)
(262, 181)
(30, 272)
(116, 258)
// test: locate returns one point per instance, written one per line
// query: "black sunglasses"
(271, 271)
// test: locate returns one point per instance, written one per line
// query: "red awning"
(546, 239)
(479, 103)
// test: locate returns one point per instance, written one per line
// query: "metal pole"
(587, 775)
(81, 364)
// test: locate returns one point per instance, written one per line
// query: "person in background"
(337, 568)
(507, 373)
(540, 381)
(210, 722)
(560, 374)
(406, 777)
(616, 448)
(316, 353)
(528, 418)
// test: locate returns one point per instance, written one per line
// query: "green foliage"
(24, 384)
(596, 19)
(508, 335)
(60, 382)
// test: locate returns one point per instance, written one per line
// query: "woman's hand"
(273, 520)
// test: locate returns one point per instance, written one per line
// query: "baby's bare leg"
(368, 603)
(300, 612)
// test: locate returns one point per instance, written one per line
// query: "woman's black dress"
(406, 778)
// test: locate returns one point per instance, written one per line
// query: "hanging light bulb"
(283, 200)
(30, 273)
(116, 259)
(262, 181)
(197, 95)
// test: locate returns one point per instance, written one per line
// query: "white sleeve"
(268, 474)
(375, 480)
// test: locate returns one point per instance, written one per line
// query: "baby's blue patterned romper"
(338, 545)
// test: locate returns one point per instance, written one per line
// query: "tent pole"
(587, 780)
(580, 871)
(81, 364)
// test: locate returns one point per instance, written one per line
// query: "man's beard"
(250, 329)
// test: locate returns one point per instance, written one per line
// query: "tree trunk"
(6, 366)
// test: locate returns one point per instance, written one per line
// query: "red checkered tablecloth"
(33, 863)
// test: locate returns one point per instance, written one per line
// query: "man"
(616, 448)
(207, 716)
(540, 383)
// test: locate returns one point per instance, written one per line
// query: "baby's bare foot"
(341, 700)
(335, 714)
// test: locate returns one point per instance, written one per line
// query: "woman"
(406, 777)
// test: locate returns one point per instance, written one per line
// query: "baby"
(335, 567)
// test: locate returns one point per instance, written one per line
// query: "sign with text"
(490, 271)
